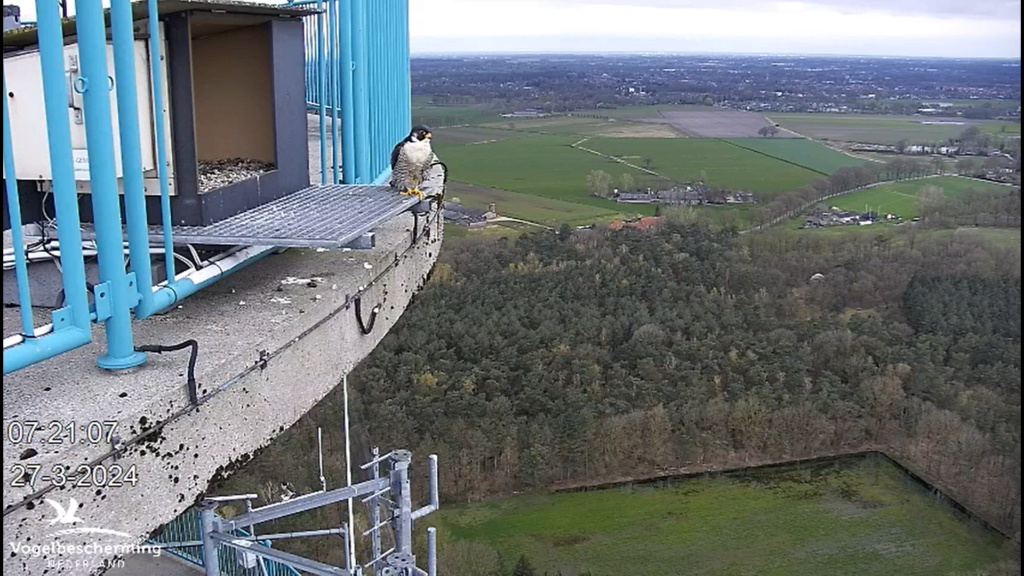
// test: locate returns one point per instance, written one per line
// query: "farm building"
(740, 198)
(635, 197)
(469, 217)
(833, 216)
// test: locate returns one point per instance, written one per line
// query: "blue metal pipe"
(321, 88)
(359, 90)
(34, 350)
(348, 145)
(406, 74)
(383, 177)
(375, 86)
(372, 56)
(332, 27)
(93, 83)
(65, 197)
(167, 295)
(407, 69)
(14, 213)
(146, 307)
(337, 80)
(123, 36)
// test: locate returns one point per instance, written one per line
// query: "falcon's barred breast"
(411, 159)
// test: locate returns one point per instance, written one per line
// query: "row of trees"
(603, 185)
(1000, 208)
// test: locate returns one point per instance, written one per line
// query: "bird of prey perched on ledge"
(411, 159)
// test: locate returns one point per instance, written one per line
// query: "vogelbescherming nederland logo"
(69, 515)
(66, 521)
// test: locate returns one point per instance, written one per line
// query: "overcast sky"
(956, 28)
(987, 28)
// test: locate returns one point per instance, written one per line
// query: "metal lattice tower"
(389, 493)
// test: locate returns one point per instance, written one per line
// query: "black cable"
(190, 382)
(439, 198)
(442, 165)
(359, 316)
(89, 286)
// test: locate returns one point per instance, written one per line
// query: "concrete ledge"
(268, 351)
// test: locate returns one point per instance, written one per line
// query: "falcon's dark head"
(419, 133)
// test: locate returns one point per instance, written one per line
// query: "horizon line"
(420, 53)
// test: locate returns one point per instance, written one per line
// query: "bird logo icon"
(64, 516)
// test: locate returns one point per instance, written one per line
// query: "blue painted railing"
(187, 528)
(357, 77)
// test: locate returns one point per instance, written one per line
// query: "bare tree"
(599, 183)
(627, 182)
(965, 166)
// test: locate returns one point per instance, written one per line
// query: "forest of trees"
(575, 358)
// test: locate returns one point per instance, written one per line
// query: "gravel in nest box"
(215, 174)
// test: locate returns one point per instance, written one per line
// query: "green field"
(475, 135)
(589, 127)
(542, 166)
(805, 153)
(545, 211)
(859, 518)
(1002, 237)
(423, 112)
(900, 198)
(882, 129)
(726, 165)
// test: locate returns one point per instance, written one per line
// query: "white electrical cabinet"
(27, 115)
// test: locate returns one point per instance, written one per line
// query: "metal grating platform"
(320, 216)
(329, 216)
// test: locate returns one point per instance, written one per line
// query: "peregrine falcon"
(411, 160)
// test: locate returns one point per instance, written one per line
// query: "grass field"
(862, 519)
(423, 112)
(455, 235)
(805, 153)
(542, 166)
(475, 135)
(1002, 237)
(900, 198)
(545, 211)
(588, 127)
(882, 129)
(726, 165)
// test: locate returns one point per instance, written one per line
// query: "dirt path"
(577, 146)
(501, 219)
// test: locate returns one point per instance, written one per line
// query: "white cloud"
(820, 26)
